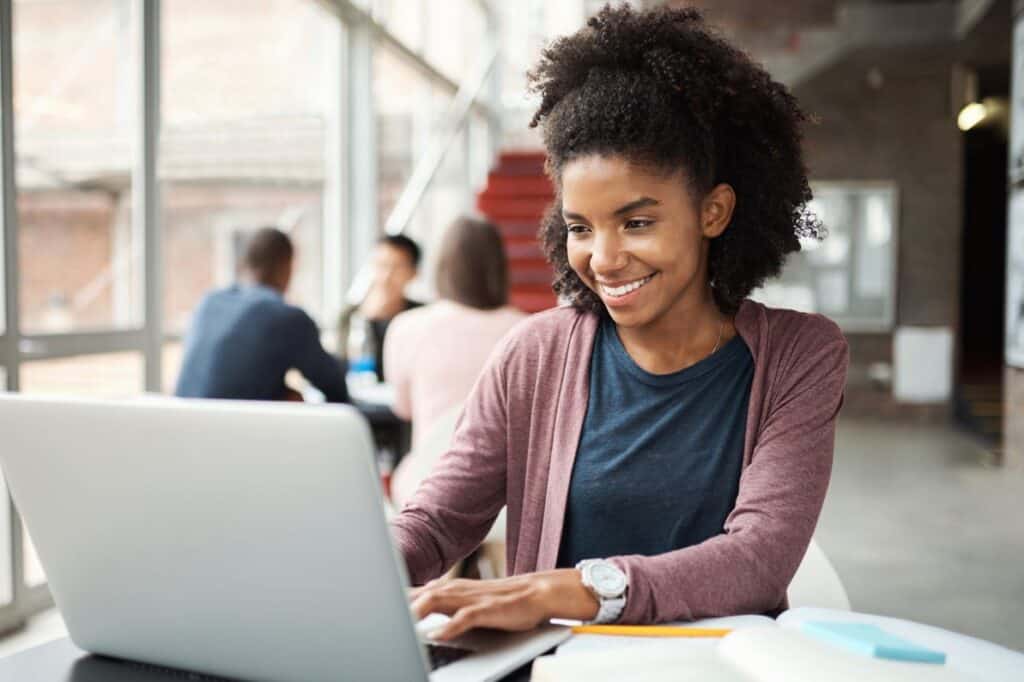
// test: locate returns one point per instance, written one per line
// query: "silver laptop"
(244, 540)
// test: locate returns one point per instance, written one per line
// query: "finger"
(444, 599)
(416, 592)
(464, 620)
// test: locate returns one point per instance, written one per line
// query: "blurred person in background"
(434, 354)
(395, 262)
(245, 338)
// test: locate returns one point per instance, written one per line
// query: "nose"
(608, 254)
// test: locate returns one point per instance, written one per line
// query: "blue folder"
(872, 641)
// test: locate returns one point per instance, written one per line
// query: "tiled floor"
(42, 628)
(917, 523)
(920, 526)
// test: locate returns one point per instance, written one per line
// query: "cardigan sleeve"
(455, 506)
(748, 568)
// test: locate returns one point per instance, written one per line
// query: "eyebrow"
(642, 202)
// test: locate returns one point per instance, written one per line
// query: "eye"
(576, 228)
(638, 223)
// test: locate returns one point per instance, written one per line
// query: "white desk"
(980, 660)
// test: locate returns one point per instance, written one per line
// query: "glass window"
(243, 140)
(450, 35)
(850, 276)
(448, 196)
(6, 579)
(456, 36)
(75, 72)
(408, 23)
(173, 351)
(406, 106)
(33, 574)
(104, 375)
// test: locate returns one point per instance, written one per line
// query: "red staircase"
(515, 198)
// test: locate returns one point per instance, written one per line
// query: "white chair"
(816, 582)
(420, 462)
(489, 560)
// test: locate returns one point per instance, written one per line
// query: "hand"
(518, 603)
(292, 396)
(382, 303)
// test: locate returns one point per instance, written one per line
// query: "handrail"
(453, 122)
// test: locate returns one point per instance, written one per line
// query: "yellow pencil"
(649, 631)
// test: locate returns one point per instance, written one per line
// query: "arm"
(748, 568)
(318, 366)
(456, 505)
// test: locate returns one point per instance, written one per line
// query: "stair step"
(530, 276)
(502, 209)
(520, 166)
(511, 229)
(532, 302)
(980, 408)
(986, 393)
(523, 251)
(501, 185)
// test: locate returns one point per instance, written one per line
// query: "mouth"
(623, 290)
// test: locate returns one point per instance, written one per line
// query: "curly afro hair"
(658, 88)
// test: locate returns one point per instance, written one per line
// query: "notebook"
(761, 653)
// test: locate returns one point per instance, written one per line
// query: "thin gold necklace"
(721, 328)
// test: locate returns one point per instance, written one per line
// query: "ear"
(716, 210)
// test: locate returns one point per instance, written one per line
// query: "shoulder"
(292, 318)
(544, 338)
(803, 329)
(797, 350)
(548, 327)
(218, 295)
(413, 320)
(780, 329)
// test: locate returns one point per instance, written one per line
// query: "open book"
(758, 650)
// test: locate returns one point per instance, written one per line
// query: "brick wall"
(900, 128)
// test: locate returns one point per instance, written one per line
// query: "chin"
(627, 318)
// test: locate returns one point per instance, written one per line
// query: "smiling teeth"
(626, 288)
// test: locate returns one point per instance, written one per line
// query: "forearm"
(326, 372)
(721, 577)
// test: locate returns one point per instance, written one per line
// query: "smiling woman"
(663, 445)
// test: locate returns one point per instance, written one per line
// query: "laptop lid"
(239, 539)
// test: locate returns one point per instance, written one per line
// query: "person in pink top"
(434, 354)
(663, 444)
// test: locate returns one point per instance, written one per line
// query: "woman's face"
(637, 237)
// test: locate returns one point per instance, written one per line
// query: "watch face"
(607, 580)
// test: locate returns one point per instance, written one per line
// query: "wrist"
(564, 595)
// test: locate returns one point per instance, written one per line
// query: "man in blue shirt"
(244, 338)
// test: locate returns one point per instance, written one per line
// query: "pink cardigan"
(516, 441)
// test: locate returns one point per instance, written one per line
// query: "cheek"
(579, 258)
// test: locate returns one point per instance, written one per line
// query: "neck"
(254, 281)
(682, 337)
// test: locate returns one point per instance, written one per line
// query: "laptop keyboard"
(441, 655)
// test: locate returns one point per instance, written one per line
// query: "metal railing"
(453, 122)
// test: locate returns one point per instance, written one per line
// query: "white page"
(782, 654)
(982, 660)
(662, 661)
(593, 643)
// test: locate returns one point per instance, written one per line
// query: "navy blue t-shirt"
(244, 339)
(659, 459)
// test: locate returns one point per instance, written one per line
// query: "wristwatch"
(608, 584)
